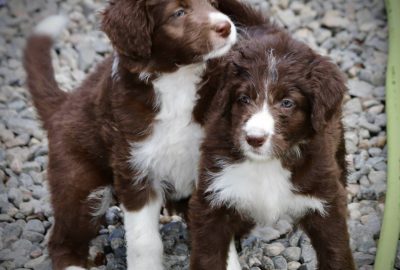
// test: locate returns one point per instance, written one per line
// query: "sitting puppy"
(273, 146)
(129, 127)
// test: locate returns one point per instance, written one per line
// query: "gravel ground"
(353, 33)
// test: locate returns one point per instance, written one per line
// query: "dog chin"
(222, 50)
(256, 156)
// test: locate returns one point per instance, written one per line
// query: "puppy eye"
(244, 99)
(287, 103)
(179, 13)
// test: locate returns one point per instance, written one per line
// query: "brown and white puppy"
(273, 146)
(129, 126)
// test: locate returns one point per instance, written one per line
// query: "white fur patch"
(260, 124)
(171, 153)
(52, 26)
(144, 245)
(233, 258)
(75, 268)
(262, 191)
(272, 68)
(115, 66)
(100, 200)
(144, 76)
(216, 17)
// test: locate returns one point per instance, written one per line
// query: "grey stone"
(22, 247)
(18, 8)
(280, 263)
(370, 127)
(33, 264)
(287, 18)
(363, 259)
(353, 106)
(381, 120)
(267, 263)
(6, 254)
(15, 196)
(274, 249)
(21, 126)
(333, 19)
(294, 238)
(375, 152)
(254, 262)
(359, 88)
(5, 134)
(267, 233)
(19, 153)
(350, 121)
(379, 92)
(35, 225)
(86, 54)
(36, 252)
(117, 243)
(379, 189)
(377, 176)
(293, 265)
(378, 163)
(5, 218)
(45, 265)
(372, 223)
(307, 253)
(26, 180)
(113, 215)
(292, 254)
(26, 208)
(11, 233)
(34, 237)
(38, 192)
(31, 166)
(283, 226)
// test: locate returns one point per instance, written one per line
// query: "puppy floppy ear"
(129, 27)
(328, 89)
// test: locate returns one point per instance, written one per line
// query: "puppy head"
(279, 95)
(161, 34)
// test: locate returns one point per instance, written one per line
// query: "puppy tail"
(46, 94)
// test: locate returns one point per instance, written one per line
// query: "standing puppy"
(273, 146)
(129, 126)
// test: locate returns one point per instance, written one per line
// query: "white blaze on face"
(261, 124)
(221, 45)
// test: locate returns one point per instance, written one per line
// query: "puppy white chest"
(171, 152)
(262, 191)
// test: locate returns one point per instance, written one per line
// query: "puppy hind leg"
(74, 226)
(69, 243)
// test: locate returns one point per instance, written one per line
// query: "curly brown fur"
(275, 108)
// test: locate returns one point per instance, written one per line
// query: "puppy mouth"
(262, 153)
(257, 155)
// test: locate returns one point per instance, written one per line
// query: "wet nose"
(256, 141)
(223, 29)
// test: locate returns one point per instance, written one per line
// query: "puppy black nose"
(256, 141)
(223, 29)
